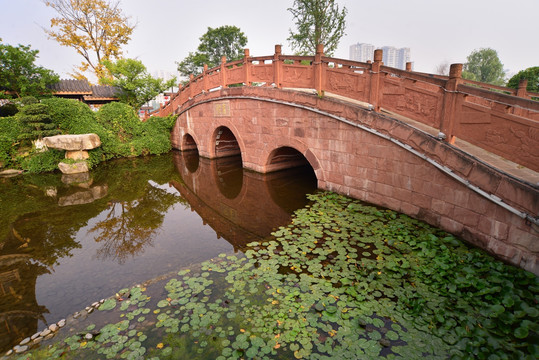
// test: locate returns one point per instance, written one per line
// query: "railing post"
(408, 66)
(223, 72)
(191, 78)
(277, 66)
(319, 70)
(521, 89)
(447, 125)
(247, 66)
(374, 95)
(204, 78)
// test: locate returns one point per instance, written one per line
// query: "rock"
(51, 191)
(74, 168)
(38, 340)
(20, 349)
(10, 172)
(88, 336)
(73, 142)
(34, 336)
(45, 333)
(62, 323)
(77, 155)
(25, 341)
(9, 352)
(53, 327)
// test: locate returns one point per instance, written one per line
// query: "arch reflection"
(262, 202)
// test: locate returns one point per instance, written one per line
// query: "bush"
(36, 122)
(121, 119)
(45, 161)
(9, 130)
(72, 116)
(121, 132)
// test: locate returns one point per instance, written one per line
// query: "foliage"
(72, 116)
(36, 122)
(227, 41)
(117, 125)
(96, 29)
(317, 22)
(9, 131)
(20, 75)
(136, 85)
(484, 65)
(8, 109)
(39, 162)
(531, 74)
(343, 280)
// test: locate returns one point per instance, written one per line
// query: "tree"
(135, 85)
(484, 65)
(442, 69)
(36, 122)
(96, 29)
(317, 22)
(226, 41)
(531, 74)
(18, 73)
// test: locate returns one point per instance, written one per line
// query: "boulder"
(74, 168)
(77, 155)
(73, 142)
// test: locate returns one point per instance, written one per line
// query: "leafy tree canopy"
(484, 65)
(226, 41)
(96, 29)
(317, 22)
(136, 85)
(20, 75)
(531, 74)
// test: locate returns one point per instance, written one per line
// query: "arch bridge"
(458, 154)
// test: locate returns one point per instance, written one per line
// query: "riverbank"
(342, 280)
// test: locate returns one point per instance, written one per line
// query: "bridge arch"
(188, 143)
(225, 143)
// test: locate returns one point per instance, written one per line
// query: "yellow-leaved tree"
(96, 29)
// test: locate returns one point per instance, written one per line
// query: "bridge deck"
(513, 169)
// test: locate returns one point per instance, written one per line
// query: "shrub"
(36, 122)
(121, 119)
(45, 161)
(72, 116)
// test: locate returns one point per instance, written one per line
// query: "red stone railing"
(501, 120)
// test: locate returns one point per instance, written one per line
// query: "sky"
(436, 31)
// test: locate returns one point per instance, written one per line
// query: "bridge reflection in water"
(240, 205)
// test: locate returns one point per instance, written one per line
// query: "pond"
(66, 242)
(339, 279)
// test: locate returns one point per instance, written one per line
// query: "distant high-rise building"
(393, 57)
(362, 52)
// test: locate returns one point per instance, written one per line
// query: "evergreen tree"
(36, 122)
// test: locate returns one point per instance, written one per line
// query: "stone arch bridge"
(445, 150)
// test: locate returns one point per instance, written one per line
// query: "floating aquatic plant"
(343, 280)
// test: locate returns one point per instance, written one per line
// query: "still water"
(67, 242)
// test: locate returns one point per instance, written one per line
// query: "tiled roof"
(102, 91)
(72, 86)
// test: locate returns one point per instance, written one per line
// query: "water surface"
(66, 242)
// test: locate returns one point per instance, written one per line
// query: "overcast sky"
(436, 31)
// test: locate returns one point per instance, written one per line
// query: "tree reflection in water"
(130, 226)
